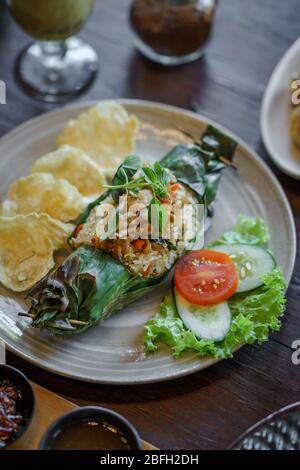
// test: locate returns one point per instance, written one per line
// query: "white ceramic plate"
(276, 111)
(113, 352)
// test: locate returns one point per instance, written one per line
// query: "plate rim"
(265, 104)
(201, 118)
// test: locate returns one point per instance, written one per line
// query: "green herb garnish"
(156, 178)
(153, 177)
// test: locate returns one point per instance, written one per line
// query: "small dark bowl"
(86, 414)
(25, 403)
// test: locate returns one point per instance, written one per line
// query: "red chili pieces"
(9, 420)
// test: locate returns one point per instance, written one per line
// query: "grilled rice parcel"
(108, 268)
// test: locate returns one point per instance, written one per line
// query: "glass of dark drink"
(172, 32)
(57, 66)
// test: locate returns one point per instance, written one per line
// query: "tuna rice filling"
(143, 257)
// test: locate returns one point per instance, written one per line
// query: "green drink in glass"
(57, 66)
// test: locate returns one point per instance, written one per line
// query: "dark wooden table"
(209, 409)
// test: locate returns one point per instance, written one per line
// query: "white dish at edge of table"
(276, 111)
(113, 352)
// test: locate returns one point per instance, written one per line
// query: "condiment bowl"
(91, 414)
(25, 403)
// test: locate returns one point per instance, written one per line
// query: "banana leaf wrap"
(90, 284)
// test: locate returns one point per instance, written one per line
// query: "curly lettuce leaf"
(249, 230)
(167, 327)
(254, 314)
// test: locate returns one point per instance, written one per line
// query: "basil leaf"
(150, 175)
(124, 174)
(199, 166)
(216, 141)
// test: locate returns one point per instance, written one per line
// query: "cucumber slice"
(252, 263)
(208, 323)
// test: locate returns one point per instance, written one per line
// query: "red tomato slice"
(206, 277)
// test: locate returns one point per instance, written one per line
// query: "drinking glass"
(57, 66)
(172, 32)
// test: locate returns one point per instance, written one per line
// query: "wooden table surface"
(210, 409)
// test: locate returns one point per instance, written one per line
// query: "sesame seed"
(243, 273)
(249, 266)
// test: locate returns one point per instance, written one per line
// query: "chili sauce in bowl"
(17, 405)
